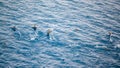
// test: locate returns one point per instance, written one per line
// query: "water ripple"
(79, 37)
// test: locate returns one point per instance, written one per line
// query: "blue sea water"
(79, 37)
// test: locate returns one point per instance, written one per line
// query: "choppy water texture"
(79, 37)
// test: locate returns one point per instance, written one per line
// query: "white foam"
(101, 47)
(117, 46)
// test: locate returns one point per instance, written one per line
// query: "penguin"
(110, 34)
(14, 28)
(48, 33)
(34, 27)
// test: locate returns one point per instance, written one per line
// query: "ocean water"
(79, 37)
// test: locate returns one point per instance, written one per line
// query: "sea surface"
(79, 39)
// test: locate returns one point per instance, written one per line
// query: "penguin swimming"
(34, 35)
(16, 33)
(110, 34)
(48, 33)
(34, 27)
(13, 28)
